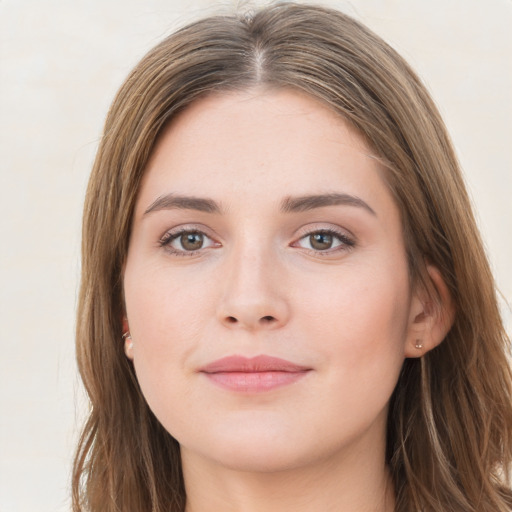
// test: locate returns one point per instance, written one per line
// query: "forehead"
(234, 146)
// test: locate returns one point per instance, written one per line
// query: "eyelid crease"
(325, 227)
(348, 241)
(174, 233)
(166, 240)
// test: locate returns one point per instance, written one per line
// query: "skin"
(258, 284)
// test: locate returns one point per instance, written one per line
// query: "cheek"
(361, 331)
(361, 319)
(161, 302)
(167, 317)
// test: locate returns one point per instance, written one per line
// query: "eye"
(186, 241)
(325, 240)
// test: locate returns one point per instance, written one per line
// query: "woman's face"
(264, 229)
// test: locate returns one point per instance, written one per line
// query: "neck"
(356, 482)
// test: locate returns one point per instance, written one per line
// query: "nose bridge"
(253, 294)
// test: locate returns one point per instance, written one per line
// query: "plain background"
(61, 63)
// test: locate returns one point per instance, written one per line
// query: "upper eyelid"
(185, 228)
(165, 242)
(300, 233)
(315, 227)
(343, 237)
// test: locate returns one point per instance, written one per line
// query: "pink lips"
(256, 374)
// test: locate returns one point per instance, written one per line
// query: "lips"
(256, 374)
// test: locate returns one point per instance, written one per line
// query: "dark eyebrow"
(173, 201)
(289, 204)
(305, 203)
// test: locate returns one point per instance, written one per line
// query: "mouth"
(253, 375)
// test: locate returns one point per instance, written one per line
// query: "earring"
(419, 345)
(128, 344)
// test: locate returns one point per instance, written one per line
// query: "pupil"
(321, 241)
(192, 241)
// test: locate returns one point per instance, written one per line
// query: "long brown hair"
(449, 445)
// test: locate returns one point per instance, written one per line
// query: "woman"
(285, 303)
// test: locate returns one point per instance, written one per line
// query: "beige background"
(61, 63)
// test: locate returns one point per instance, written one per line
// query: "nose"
(253, 292)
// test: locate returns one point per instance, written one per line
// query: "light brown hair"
(449, 445)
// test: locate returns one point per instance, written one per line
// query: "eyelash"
(170, 236)
(347, 242)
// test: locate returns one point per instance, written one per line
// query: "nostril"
(264, 320)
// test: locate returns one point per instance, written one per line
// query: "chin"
(253, 447)
(258, 457)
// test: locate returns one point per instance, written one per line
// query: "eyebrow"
(176, 202)
(288, 205)
(305, 203)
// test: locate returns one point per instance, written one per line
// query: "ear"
(431, 317)
(127, 339)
